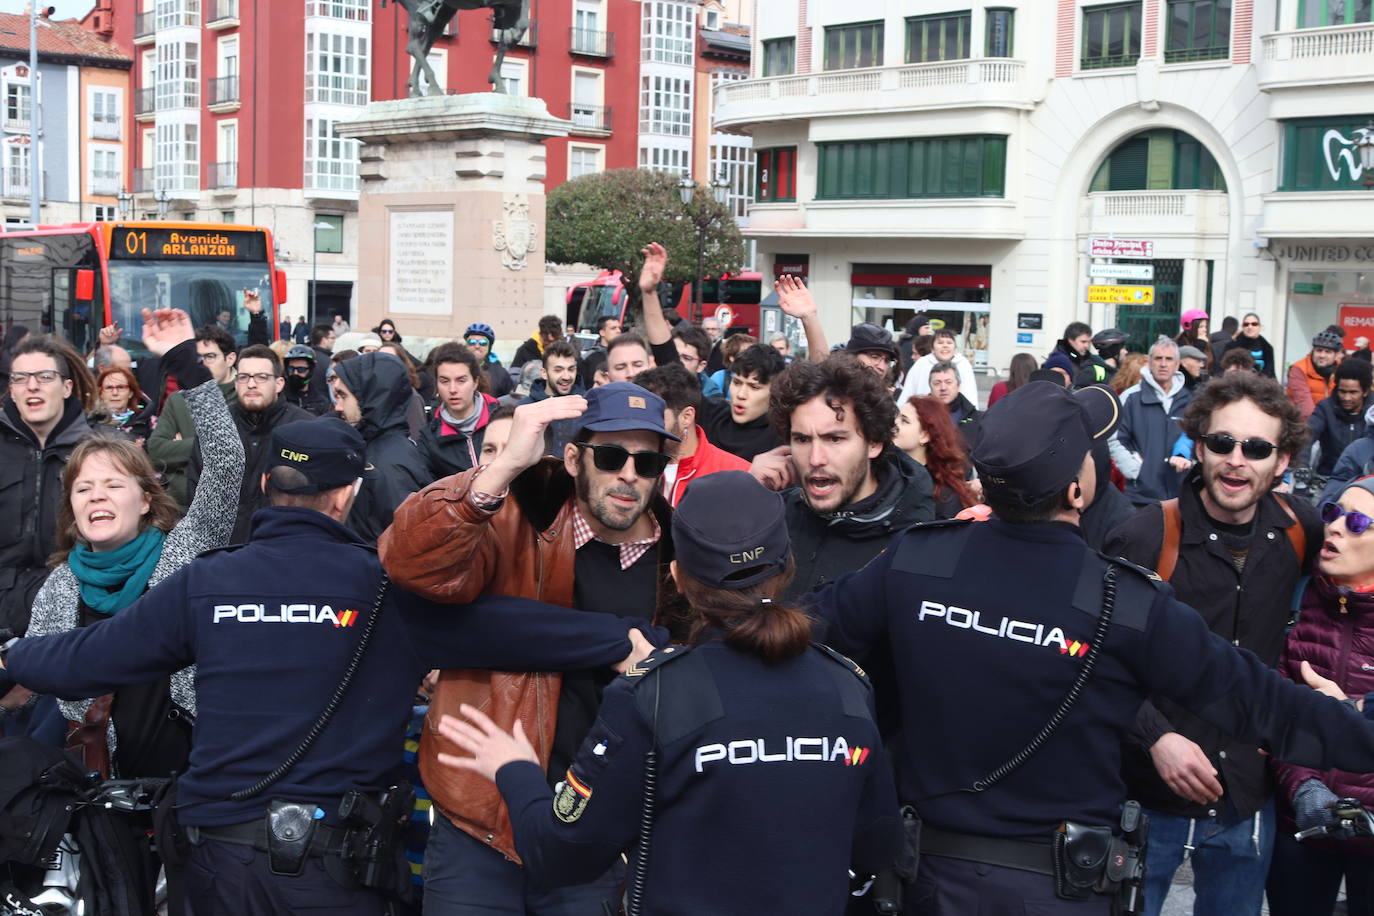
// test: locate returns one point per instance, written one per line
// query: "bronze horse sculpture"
(429, 18)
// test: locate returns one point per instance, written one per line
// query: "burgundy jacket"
(1335, 634)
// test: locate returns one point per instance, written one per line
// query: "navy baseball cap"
(729, 531)
(623, 406)
(1032, 442)
(328, 452)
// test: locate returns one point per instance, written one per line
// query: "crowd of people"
(738, 516)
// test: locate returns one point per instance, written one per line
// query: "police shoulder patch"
(657, 657)
(571, 797)
(1139, 570)
(844, 660)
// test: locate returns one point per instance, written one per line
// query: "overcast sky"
(67, 9)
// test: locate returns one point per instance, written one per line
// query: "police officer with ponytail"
(750, 752)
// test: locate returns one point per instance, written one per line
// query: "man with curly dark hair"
(1233, 549)
(851, 490)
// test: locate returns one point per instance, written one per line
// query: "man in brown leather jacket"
(588, 531)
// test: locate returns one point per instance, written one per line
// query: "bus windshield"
(211, 292)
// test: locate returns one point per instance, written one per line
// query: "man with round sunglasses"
(587, 529)
(1234, 550)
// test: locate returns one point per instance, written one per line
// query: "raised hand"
(793, 297)
(525, 446)
(252, 301)
(490, 746)
(110, 335)
(640, 649)
(655, 262)
(773, 468)
(165, 328)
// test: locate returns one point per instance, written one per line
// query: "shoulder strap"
(1297, 535)
(1173, 533)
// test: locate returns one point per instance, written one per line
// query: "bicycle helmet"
(301, 351)
(482, 330)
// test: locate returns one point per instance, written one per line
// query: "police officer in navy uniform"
(1022, 656)
(743, 771)
(272, 626)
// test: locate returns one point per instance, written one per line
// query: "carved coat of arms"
(514, 235)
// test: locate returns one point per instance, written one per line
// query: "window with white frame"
(666, 35)
(177, 158)
(331, 162)
(178, 75)
(104, 170)
(584, 160)
(710, 19)
(586, 98)
(105, 105)
(17, 173)
(18, 105)
(148, 148)
(351, 10)
(514, 76)
(226, 166)
(665, 105)
(438, 62)
(732, 158)
(106, 213)
(665, 159)
(172, 13)
(336, 68)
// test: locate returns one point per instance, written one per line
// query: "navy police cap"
(1032, 442)
(327, 452)
(622, 406)
(729, 531)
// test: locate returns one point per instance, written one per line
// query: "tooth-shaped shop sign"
(1338, 149)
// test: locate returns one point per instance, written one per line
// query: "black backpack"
(38, 785)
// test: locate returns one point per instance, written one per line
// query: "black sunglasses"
(611, 458)
(1254, 449)
(1355, 522)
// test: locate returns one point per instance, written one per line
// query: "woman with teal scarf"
(120, 534)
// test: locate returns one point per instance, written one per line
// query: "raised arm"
(796, 300)
(656, 327)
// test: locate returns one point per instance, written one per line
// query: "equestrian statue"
(429, 18)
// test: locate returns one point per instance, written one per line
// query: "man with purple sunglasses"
(1237, 551)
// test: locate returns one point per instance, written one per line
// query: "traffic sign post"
(1121, 271)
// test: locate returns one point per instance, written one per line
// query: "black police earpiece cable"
(634, 897)
(330, 708)
(1104, 623)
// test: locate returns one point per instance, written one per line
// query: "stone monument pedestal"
(451, 214)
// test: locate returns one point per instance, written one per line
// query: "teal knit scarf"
(111, 580)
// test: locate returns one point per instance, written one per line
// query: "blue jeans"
(1228, 868)
(464, 877)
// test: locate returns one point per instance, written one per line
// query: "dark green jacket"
(170, 455)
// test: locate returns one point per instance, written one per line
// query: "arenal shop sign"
(934, 280)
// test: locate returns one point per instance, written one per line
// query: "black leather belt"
(325, 841)
(1032, 857)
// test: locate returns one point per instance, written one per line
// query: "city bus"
(75, 279)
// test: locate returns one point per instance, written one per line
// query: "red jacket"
(1335, 633)
(707, 459)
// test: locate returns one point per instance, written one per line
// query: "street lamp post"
(163, 198)
(126, 203)
(1366, 147)
(687, 189)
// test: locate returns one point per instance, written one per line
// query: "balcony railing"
(1185, 55)
(143, 180)
(144, 26)
(1317, 56)
(529, 40)
(222, 14)
(224, 90)
(19, 125)
(589, 117)
(15, 182)
(145, 101)
(1183, 211)
(105, 129)
(954, 76)
(105, 184)
(591, 43)
(223, 175)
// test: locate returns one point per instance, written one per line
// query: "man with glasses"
(1251, 341)
(42, 421)
(1143, 444)
(1234, 550)
(259, 410)
(588, 529)
(480, 338)
(173, 440)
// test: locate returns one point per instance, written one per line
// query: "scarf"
(111, 580)
(465, 427)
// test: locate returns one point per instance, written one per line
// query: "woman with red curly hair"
(926, 433)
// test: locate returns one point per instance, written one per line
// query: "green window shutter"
(995, 167)
(1128, 165)
(1159, 162)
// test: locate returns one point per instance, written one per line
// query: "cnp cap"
(327, 452)
(1032, 442)
(623, 406)
(729, 531)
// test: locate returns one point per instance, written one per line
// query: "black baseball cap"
(623, 406)
(328, 452)
(864, 338)
(1032, 442)
(729, 531)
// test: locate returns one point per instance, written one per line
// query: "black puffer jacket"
(255, 431)
(382, 387)
(30, 492)
(826, 546)
(1333, 430)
